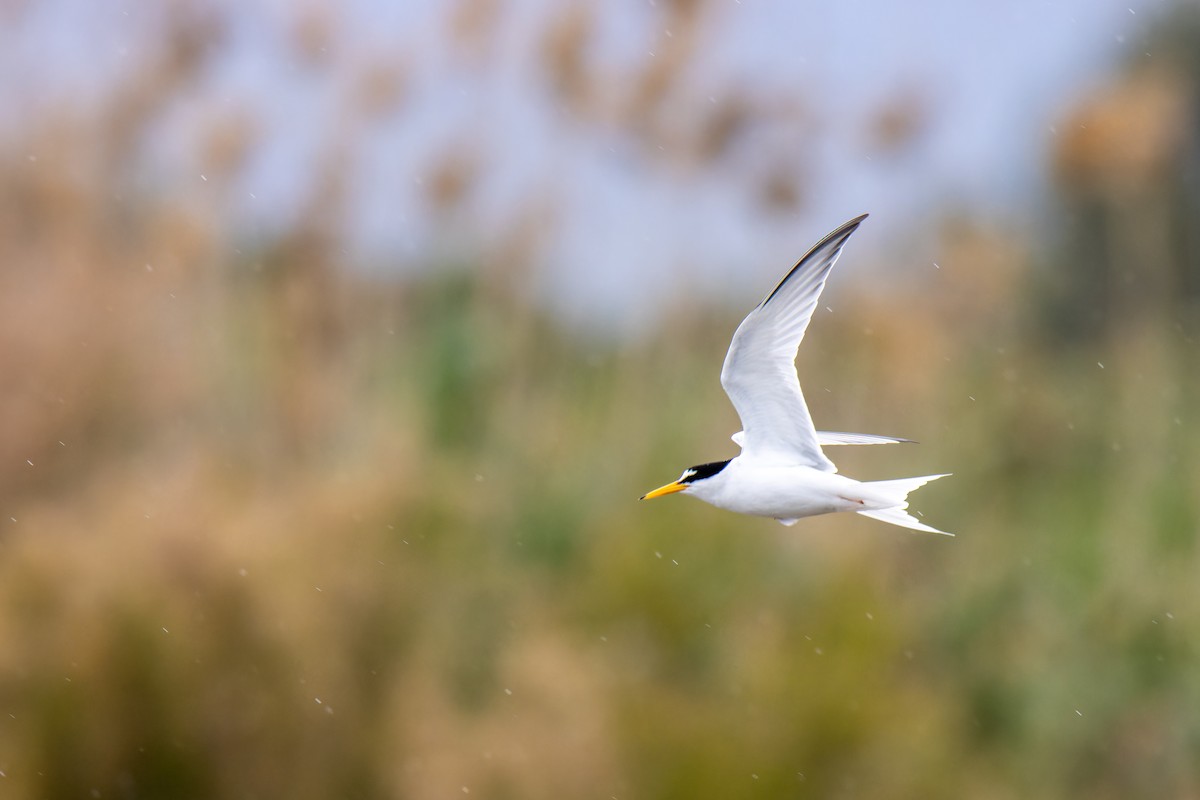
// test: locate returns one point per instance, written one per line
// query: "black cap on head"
(702, 471)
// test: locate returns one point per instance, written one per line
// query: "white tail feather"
(898, 490)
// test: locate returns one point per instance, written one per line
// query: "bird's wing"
(828, 438)
(759, 374)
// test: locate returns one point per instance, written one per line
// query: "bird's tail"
(897, 492)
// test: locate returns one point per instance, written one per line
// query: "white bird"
(782, 471)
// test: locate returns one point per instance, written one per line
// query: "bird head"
(691, 477)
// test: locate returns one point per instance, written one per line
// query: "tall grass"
(434, 574)
(274, 527)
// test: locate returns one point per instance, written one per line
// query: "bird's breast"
(780, 491)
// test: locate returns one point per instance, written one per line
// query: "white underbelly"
(786, 492)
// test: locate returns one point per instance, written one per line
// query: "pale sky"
(994, 79)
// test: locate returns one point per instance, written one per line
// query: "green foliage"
(275, 528)
(439, 602)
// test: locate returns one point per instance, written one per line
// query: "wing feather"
(829, 438)
(759, 374)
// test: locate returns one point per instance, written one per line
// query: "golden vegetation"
(276, 527)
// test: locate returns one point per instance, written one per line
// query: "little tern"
(782, 472)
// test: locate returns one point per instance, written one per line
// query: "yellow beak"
(670, 488)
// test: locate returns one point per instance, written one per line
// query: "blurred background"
(337, 341)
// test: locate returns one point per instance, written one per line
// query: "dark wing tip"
(840, 232)
(836, 237)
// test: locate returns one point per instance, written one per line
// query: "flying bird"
(782, 471)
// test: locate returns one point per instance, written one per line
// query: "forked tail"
(898, 491)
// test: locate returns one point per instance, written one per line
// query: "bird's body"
(782, 471)
(782, 491)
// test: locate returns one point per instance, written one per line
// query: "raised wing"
(759, 374)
